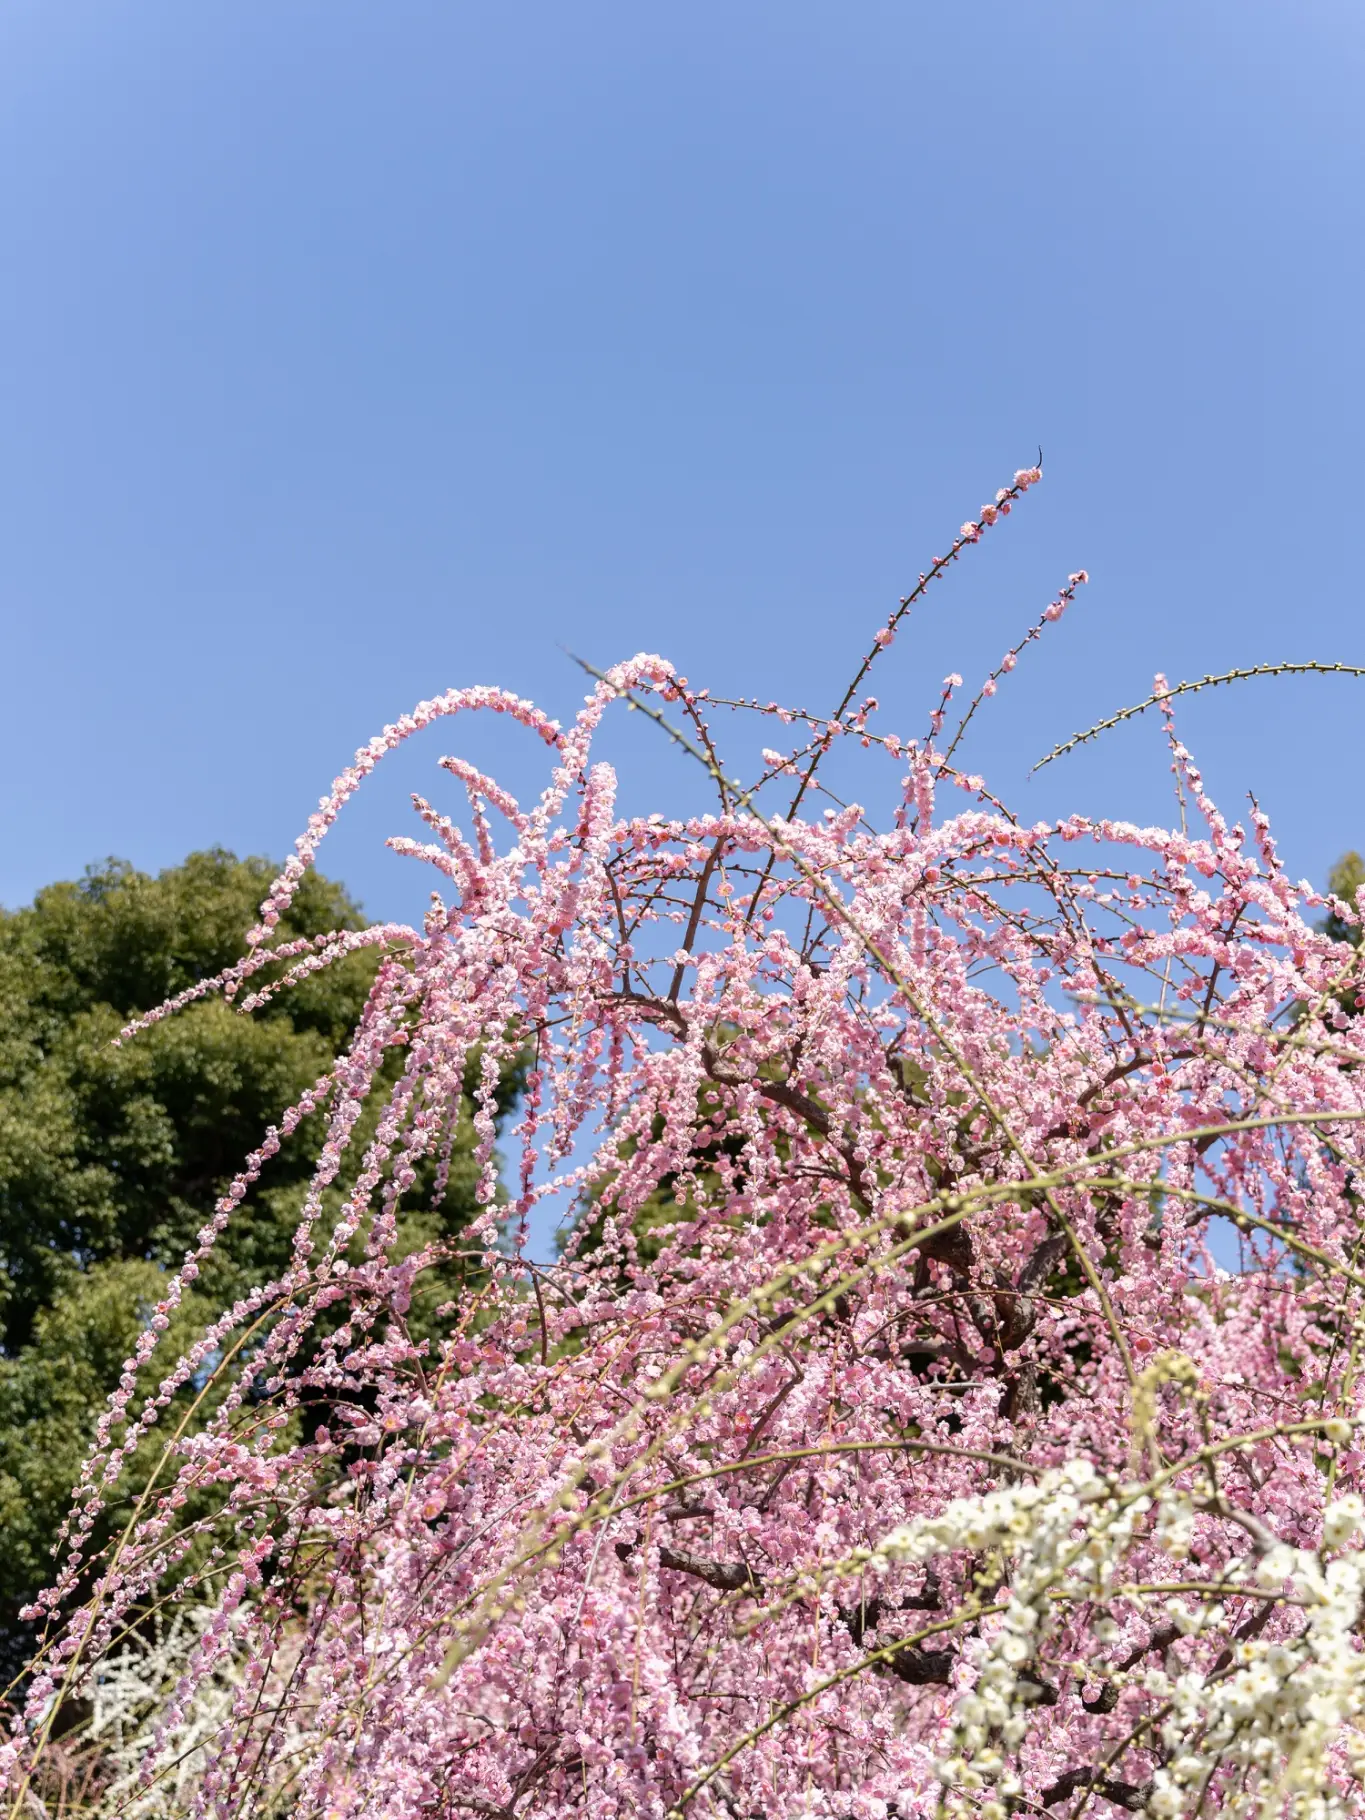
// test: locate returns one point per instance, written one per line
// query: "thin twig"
(1193, 688)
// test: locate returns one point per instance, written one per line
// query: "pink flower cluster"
(913, 1162)
(969, 533)
(999, 507)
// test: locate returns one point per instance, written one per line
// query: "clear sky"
(350, 350)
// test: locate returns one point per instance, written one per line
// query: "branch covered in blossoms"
(944, 1400)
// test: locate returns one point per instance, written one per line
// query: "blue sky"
(350, 351)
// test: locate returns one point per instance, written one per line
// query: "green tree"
(110, 1158)
(1344, 880)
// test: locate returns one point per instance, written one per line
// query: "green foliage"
(111, 1158)
(50, 1393)
(1345, 879)
(112, 1153)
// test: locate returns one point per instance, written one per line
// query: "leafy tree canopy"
(111, 1158)
(108, 1153)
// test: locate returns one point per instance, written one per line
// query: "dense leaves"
(112, 1153)
(111, 1157)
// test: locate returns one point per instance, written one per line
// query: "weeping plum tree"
(946, 1402)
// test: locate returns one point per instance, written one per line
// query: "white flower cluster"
(1046, 1530)
(1275, 1718)
(1283, 1717)
(129, 1694)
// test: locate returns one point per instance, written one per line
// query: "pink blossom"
(905, 1148)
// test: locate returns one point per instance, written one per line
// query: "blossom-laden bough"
(945, 1400)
